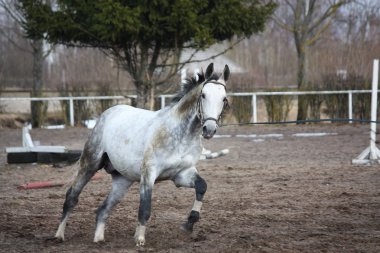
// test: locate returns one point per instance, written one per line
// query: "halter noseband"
(200, 105)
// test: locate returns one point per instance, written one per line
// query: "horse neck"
(186, 110)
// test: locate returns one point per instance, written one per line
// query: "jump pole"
(371, 154)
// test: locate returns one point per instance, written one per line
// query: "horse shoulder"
(124, 136)
(172, 156)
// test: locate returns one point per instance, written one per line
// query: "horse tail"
(74, 171)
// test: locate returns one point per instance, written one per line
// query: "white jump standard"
(371, 154)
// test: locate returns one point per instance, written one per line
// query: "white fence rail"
(163, 98)
(70, 99)
(254, 96)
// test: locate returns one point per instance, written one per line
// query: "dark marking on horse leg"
(200, 186)
(69, 203)
(71, 200)
(191, 220)
(88, 167)
(144, 211)
(74, 191)
(145, 205)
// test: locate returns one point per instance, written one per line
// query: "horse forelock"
(190, 83)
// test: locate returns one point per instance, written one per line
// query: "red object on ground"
(47, 184)
(42, 184)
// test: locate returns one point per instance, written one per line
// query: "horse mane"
(190, 83)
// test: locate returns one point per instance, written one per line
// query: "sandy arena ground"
(271, 193)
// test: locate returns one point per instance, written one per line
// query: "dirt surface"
(271, 193)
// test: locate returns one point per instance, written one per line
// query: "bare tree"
(307, 20)
(359, 26)
(39, 53)
(13, 48)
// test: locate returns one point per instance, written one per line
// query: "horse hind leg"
(120, 185)
(88, 167)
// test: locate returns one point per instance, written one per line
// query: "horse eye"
(203, 96)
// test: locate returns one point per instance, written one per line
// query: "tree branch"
(289, 4)
(12, 12)
(13, 42)
(282, 24)
(317, 35)
(328, 13)
(156, 54)
(205, 59)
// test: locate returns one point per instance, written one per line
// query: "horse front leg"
(200, 186)
(191, 178)
(146, 187)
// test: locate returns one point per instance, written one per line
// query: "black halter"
(200, 106)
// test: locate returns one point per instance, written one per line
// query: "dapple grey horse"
(136, 145)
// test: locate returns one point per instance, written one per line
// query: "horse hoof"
(140, 235)
(59, 238)
(53, 239)
(140, 242)
(187, 228)
(99, 240)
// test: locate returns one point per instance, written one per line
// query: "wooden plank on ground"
(49, 149)
(70, 156)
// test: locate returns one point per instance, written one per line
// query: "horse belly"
(126, 158)
(124, 138)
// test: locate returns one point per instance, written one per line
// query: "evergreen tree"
(145, 35)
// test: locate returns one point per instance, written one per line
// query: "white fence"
(253, 95)
(70, 99)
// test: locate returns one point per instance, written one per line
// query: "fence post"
(162, 101)
(71, 102)
(254, 108)
(372, 153)
(375, 82)
(350, 106)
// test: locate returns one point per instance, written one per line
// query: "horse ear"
(226, 73)
(209, 70)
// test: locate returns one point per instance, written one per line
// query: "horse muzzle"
(209, 128)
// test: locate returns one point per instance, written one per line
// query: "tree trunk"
(141, 64)
(142, 82)
(38, 108)
(301, 68)
(141, 93)
(145, 95)
(152, 93)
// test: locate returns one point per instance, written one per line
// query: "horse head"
(212, 101)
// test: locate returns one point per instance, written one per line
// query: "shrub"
(103, 104)
(278, 106)
(337, 105)
(313, 102)
(241, 108)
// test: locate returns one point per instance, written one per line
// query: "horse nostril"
(204, 128)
